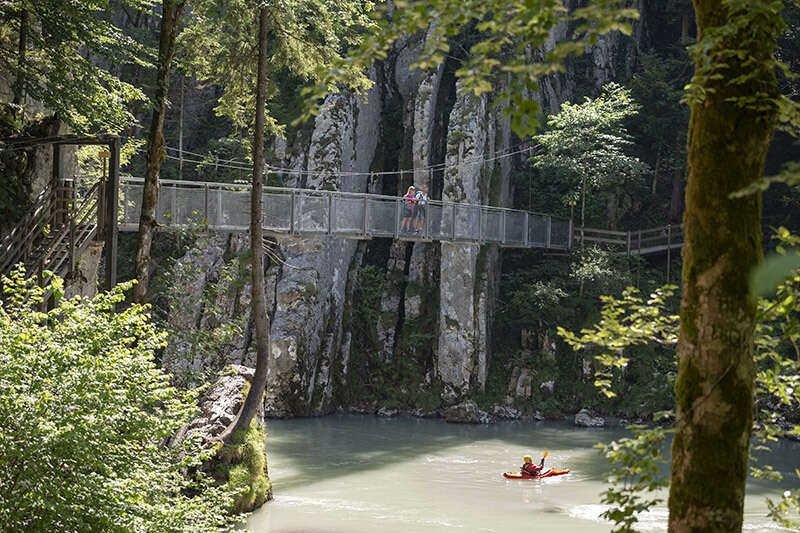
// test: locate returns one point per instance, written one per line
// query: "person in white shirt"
(420, 207)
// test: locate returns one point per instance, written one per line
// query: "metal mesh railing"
(184, 204)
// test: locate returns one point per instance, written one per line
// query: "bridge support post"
(56, 191)
(398, 205)
(571, 234)
(331, 204)
(220, 219)
(454, 223)
(111, 212)
(527, 226)
(365, 217)
(205, 205)
(291, 212)
(669, 250)
(126, 193)
(549, 232)
(72, 215)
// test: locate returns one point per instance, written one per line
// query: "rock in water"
(585, 419)
(466, 413)
(387, 413)
(506, 412)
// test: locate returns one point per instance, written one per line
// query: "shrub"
(85, 415)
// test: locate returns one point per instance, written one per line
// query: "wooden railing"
(54, 233)
(18, 245)
(639, 242)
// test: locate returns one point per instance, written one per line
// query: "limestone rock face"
(310, 292)
(462, 355)
(209, 321)
(83, 282)
(437, 300)
(219, 404)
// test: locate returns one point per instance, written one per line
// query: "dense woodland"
(616, 116)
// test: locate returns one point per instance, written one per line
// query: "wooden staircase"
(56, 230)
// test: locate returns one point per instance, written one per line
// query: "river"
(360, 474)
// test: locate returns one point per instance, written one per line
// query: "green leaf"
(773, 271)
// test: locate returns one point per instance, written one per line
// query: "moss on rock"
(242, 464)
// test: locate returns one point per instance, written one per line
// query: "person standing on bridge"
(419, 209)
(409, 200)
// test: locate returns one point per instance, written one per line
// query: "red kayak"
(549, 473)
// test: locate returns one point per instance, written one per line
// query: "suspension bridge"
(70, 213)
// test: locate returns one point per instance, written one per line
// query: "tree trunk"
(714, 392)
(180, 131)
(686, 21)
(656, 170)
(676, 201)
(171, 11)
(22, 48)
(583, 204)
(255, 395)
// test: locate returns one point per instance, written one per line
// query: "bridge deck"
(640, 242)
(226, 207)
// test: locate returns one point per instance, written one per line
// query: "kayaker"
(531, 469)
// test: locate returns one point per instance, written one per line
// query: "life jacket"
(531, 469)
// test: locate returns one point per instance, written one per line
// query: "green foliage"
(506, 32)
(777, 355)
(14, 192)
(628, 321)
(67, 42)
(305, 37)
(223, 320)
(398, 382)
(739, 53)
(636, 472)
(536, 301)
(601, 269)
(84, 415)
(636, 462)
(586, 147)
(790, 175)
(633, 321)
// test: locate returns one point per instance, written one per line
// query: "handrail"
(41, 198)
(15, 250)
(86, 209)
(320, 192)
(74, 230)
(643, 241)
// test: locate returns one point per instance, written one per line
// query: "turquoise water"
(354, 474)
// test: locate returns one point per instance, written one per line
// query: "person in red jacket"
(409, 202)
(531, 469)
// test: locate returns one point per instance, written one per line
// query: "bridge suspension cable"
(244, 165)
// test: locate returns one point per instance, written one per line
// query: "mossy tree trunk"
(22, 50)
(170, 16)
(255, 395)
(728, 141)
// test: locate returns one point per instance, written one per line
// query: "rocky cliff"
(352, 320)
